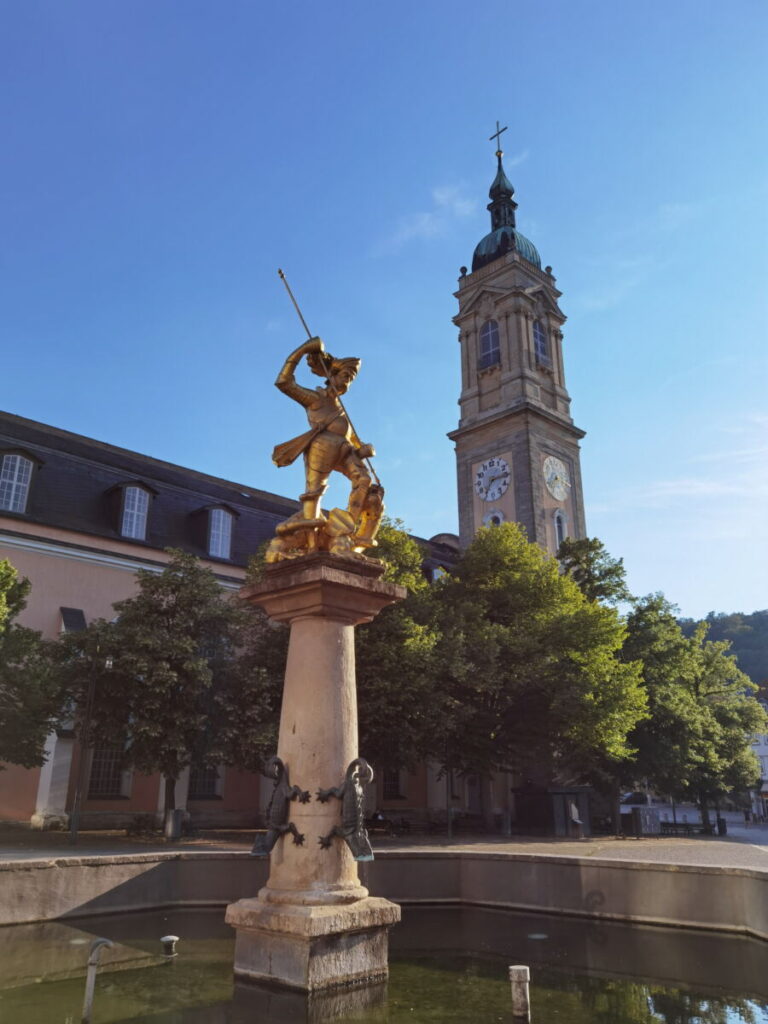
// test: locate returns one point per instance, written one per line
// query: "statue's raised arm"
(330, 444)
(286, 380)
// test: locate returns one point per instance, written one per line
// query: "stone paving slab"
(742, 848)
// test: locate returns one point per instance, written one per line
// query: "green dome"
(500, 241)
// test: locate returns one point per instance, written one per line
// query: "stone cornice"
(523, 406)
(97, 556)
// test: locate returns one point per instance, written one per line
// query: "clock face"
(491, 479)
(556, 478)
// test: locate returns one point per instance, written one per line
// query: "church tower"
(517, 448)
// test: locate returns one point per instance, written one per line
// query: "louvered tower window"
(490, 354)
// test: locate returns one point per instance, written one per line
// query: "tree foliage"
(30, 699)
(748, 637)
(169, 687)
(696, 743)
(528, 665)
(599, 576)
(399, 704)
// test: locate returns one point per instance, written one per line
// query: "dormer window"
(133, 522)
(541, 344)
(15, 477)
(220, 533)
(490, 354)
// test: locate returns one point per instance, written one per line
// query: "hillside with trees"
(748, 637)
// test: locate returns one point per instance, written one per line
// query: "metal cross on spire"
(496, 136)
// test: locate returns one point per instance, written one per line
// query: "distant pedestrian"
(747, 818)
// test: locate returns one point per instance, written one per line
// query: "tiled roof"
(76, 477)
(71, 485)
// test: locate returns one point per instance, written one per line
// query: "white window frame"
(218, 787)
(135, 512)
(15, 478)
(125, 782)
(541, 344)
(490, 349)
(220, 533)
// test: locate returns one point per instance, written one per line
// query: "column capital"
(346, 590)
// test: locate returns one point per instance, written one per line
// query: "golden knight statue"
(330, 444)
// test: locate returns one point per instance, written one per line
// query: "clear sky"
(163, 157)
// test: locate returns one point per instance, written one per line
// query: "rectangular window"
(391, 789)
(489, 354)
(204, 784)
(540, 344)
(220, 533)
(15, 474)
(764, 766)
(135, 510)
(106, 773)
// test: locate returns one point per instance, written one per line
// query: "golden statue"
(330, 444)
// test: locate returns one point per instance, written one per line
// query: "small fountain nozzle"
(169, 945)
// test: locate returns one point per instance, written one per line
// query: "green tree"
(528, 665)
(696, 742)
(748, 636)
(247, 698)
(730, 716)
(30, 699)
(599, 576)
(399, 704)
(663, 740)
(159, 670)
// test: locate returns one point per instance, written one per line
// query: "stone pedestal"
(314, 925)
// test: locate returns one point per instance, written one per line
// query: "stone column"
(314, 925)
(52, 789)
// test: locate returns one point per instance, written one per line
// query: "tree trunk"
(486, 801)
(448, 804)
(704, 813)
(616, 809)
(170, 795)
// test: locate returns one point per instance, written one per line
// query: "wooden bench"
(681, 828)
(380, 826)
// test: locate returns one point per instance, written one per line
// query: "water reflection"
(448, 966)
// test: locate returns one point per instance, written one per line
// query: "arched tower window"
(561, 526)
(489, 354)
(541, 344)
(493, 518)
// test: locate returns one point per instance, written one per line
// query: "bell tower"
(517, 448)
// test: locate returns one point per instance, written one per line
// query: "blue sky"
(163, 157)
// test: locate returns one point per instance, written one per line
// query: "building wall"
(87, 565)
(18, 792)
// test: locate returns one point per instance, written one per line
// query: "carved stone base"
(312, 947)
(48, 821)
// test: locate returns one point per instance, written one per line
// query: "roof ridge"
(104, 446)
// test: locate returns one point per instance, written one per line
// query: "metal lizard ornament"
(279, 809)
(352, 829)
